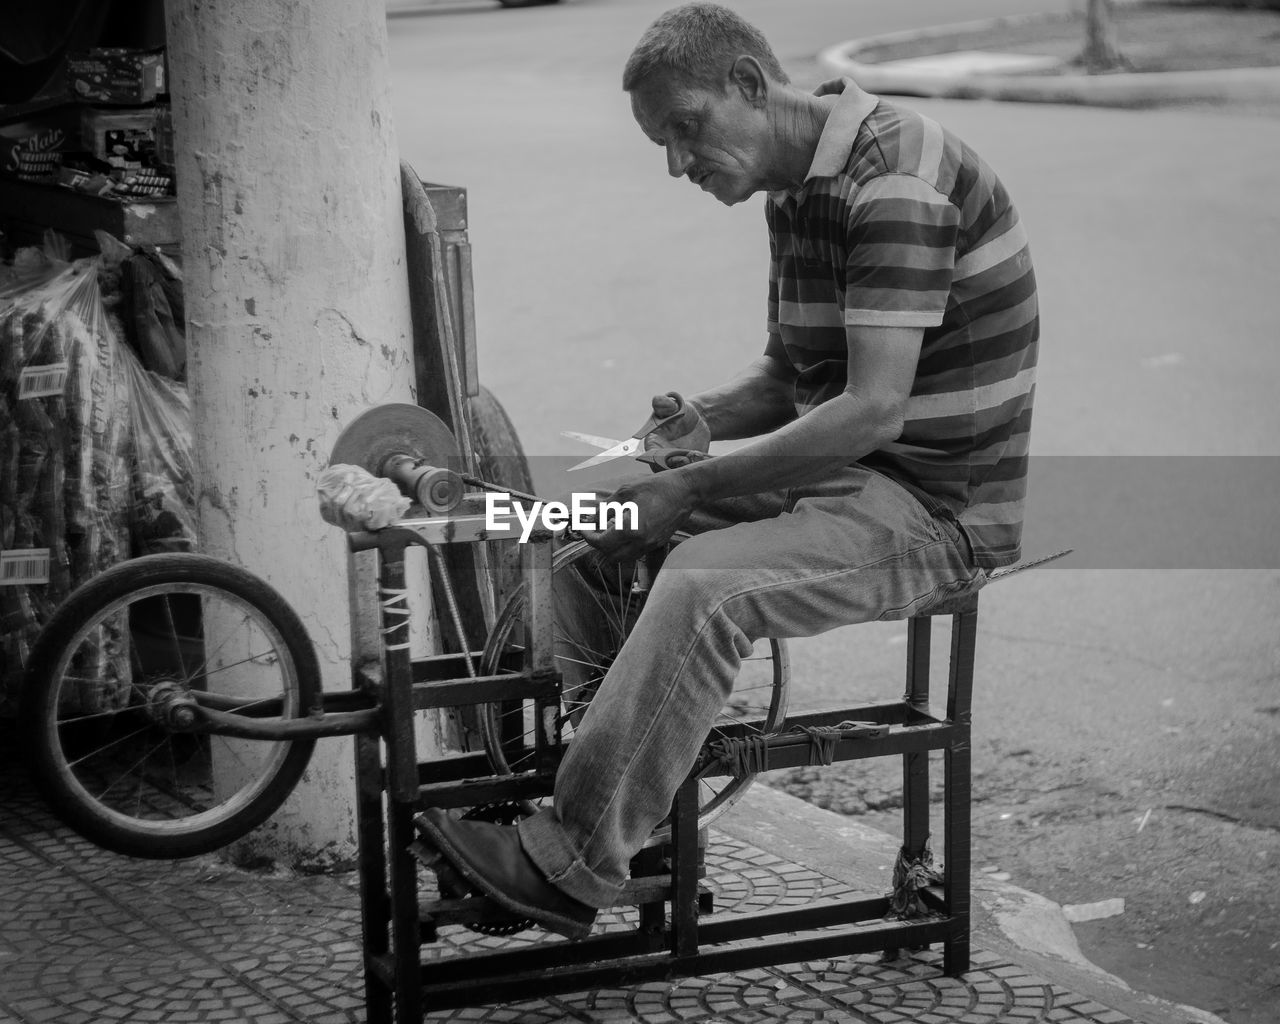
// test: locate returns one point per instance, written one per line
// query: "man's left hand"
(663, 503)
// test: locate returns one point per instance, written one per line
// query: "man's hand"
(663, 503)
(660, 459)
(690, 430)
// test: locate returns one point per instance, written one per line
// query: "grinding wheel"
(396, 429)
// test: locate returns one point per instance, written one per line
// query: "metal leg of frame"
(958, 775)
(374, 911)
(648, 862)
(405, 927)
(915, 764)
(684, 875)
(402, 786)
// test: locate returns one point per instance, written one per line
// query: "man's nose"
(678, 160)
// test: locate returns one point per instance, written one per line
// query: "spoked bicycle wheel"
(595, 607)
(107, 679)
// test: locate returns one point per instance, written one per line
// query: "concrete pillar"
(297, 301)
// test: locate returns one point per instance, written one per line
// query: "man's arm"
(755, 402)
(868, 415)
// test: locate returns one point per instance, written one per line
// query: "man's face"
(717, 140)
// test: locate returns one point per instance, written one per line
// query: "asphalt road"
(1127, 722)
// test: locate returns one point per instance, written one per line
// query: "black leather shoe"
(491, 858)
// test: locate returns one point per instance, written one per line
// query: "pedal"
(467, 905)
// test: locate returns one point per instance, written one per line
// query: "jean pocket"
(951, 530)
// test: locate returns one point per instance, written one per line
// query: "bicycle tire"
(500, 459)
(760, 692)
(90, 696)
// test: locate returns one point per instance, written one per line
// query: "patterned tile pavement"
(88, 937)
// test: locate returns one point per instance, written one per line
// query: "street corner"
(1154, 56)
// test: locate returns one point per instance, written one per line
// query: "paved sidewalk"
(87, 936)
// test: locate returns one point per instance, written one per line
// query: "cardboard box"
(37, 137)
(27, 210)
(128, 138)
(116, 75)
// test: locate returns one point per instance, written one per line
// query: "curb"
(1141, 89)
(1024, 927)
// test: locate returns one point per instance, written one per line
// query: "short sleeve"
(902, 249)
(774, 346)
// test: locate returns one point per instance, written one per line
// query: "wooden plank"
(440, 381)
(462, 304)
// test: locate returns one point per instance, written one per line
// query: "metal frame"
(676, 933)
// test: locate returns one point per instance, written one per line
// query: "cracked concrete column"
(297, 302)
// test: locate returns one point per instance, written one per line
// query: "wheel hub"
(171, 705)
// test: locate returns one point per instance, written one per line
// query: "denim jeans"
(856, 547)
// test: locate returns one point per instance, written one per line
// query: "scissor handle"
(655, 421)
(659, 459)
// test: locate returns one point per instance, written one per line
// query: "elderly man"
(890, 412)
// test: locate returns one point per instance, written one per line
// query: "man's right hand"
(689, 430)
(663, 504)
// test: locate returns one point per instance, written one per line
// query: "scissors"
(633, 444)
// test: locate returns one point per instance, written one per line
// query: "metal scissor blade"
(621, 450)
(595, 440)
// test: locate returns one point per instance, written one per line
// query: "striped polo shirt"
(900, 224)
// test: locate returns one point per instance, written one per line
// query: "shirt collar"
(852, 107)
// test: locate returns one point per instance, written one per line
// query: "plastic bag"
(162, 512)
(65, 459)
(95, 461)
(153, 289)
(144, 289)
(355, 499)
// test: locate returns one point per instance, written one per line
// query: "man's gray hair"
(699, 43)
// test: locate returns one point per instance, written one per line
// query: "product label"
(42, 381)
(49, 141)
(24, 567)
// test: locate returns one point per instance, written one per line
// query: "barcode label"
(24, 568)
(42, 381)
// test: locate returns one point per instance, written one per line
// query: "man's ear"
(748, 77)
